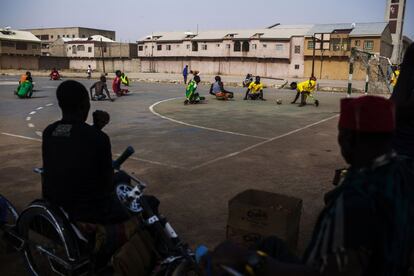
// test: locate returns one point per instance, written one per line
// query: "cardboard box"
(255, 213)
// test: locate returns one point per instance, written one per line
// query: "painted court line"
(49, 104)
(263, 142)
(33, 112)
(38, 133)
(39, 108)
(30, 125)
(151, 108)
(23, 137)
(133, 158)
(28, 118)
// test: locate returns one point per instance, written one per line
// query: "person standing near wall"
(89, 71)
(185, 74)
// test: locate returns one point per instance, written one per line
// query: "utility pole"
(102, 55)
(313, 56)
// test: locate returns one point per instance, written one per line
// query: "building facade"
(49, 35)
(284, 51)
(333, 47)
(14, 42)
(276, 52)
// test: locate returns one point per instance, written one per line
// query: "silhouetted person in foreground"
(403, 97)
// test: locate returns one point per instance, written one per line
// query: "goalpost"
(378, 71)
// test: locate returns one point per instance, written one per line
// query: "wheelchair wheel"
(50, 247)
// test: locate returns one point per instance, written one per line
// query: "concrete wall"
(268, 68)
(48, 62)
(111, 65)
(19, 62)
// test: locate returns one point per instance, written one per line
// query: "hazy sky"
(133, 19)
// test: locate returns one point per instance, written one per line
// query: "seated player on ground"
(306, 89)
(99, 87)
(365, 227)
(24, 77)
(116, 85)
(217, 90)
(191, 94)
(54, 75)
(25, 88)
(255, 90)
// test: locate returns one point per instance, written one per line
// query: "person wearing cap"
(191, 94)
(255, 90)
(217, 90)
(305, 89)
(366, 225)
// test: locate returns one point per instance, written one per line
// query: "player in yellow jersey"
(255, 90)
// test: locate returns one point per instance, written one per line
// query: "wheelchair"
(53, 245)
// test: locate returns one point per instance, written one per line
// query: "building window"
(310, 45)
(264, 45)
(297, 50)
(368, 45)
(279, 47)
(195, 46)
(21, 46)
(80, 48)
(83, 36)
(51, 36)
(7, 44)
(35, 46)
(58, 36)
(188, 46)
(140, 48)
(228, 46)
(204, 47)
(254, 46)
(245, 46)
(357, 43)
(159, 47)
(168, 47)
(218, 45)
(89, 49)
(237, 46)
(146, 46)
(73, 36)
(336, 44)
(296, 66)
(44, 37)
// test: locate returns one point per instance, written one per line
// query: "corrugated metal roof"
(213, 35)
(358, 29)
(7, 34)
(280, 32)
(95, 38)
(369, 29)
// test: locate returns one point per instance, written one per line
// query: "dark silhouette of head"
(197, 79)
(257, 79)
(217, 78)
(313, 78)
(118, 73)
(103, 79)
(73, 100)
(366, 126)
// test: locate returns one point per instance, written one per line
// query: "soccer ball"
(279, 101)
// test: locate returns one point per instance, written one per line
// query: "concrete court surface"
(194, 158)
